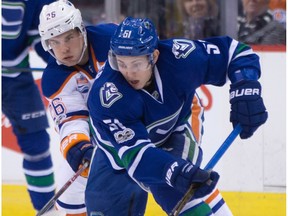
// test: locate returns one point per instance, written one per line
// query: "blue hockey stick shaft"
(223, 148)
(213, 161)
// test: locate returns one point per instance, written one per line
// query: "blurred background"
(195, 19)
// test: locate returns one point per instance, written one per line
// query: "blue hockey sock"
(38, 167)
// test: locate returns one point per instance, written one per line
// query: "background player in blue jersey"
(21, 100)
(139, 106)
(79, 53)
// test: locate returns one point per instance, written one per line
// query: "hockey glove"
(247, 107)
(186, 174)
(78, 155)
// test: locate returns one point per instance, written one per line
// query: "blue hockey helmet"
(134, 37)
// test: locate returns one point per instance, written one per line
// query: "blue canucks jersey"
(130, 124)
(20, 20)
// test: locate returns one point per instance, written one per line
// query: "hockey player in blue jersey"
(79, 52)
(139, 106)
(21, 100)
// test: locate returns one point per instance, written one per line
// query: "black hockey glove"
(247, 107)
(186, 174)
(78, 155)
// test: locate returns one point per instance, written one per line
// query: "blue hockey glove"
(186, 174)
(247, 107)
(78, 155)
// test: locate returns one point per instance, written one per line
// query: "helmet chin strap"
(84, 47)
(83, 52)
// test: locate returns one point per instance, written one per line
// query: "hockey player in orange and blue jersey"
(139, 108)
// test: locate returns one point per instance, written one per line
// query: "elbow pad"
(244, 74)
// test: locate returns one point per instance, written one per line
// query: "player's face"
(137, 70)
(196, 8)
(67, 47)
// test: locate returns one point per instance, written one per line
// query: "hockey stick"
(213, 161)
(52, 201)
(16, 69)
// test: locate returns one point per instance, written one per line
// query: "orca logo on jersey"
(109, 94)
(182, 48)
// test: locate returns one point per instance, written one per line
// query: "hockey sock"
(37, 166)
(197, 207)
(217, 204)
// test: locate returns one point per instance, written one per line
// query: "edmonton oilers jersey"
(66, 88)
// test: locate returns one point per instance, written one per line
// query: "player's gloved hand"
(205, 188)
(247, 107)
(187, 174)
(78, 155)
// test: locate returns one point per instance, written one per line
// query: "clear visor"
(141, 64)
(69, 40)
(112, 60)
(56, 43)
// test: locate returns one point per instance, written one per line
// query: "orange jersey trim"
(196, 118)
(95, 61)
(63, 85)
(83, 70)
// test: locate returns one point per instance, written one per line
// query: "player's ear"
(155, 55)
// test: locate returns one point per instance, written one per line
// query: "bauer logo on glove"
(247, 107)
(242, 92)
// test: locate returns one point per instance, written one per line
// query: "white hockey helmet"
(58, 18)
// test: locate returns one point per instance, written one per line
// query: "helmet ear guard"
(112, 60)
(151, 59)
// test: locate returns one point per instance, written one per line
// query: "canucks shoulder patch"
(182, 48)
(109, 94)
